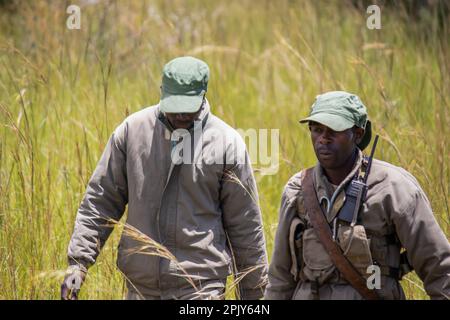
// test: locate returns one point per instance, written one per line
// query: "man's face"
(182, 120)
(334, 148)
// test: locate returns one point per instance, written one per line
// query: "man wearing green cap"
(329, 247)
(203, 211)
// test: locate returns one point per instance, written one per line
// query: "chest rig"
(361, 246)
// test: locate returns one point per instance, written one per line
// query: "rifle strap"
(323, 233)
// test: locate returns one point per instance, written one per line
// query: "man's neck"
(337, 175)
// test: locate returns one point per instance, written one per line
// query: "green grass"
(62, 92)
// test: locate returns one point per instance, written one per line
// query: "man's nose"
(324, 138)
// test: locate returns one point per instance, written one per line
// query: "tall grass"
(63, 91)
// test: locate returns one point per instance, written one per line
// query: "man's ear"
(359, 134)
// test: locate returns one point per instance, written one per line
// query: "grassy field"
(62, 92)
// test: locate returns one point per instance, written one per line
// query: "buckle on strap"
(405, 266)
(315, 289)
(391, 272)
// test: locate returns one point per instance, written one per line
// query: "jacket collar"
(331, 201)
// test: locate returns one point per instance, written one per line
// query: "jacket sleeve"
(105, 198)
(427, 247)
(281, 284)
(243, 225)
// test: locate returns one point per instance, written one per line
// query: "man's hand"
(73, 280)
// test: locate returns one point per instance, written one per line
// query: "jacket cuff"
(78, 264)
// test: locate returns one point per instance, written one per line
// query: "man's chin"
(327, 163)
(182, 126)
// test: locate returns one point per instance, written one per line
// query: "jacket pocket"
(139, 268)
(295, 246)
(221, 244)
(318, 264)
(356, 247)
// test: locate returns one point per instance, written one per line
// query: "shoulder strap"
(323, 232)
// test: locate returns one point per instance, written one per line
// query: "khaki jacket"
(190, 208)
(396, 214)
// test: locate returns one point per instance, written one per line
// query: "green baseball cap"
(184, 84)
(340, 110)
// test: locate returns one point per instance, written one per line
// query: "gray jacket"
(190, 208)
(396, 214)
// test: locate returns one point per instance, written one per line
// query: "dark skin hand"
(335, 150)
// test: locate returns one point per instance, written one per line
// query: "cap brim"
(335, 122)
(180, 103)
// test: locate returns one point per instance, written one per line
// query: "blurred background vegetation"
(62, 92)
